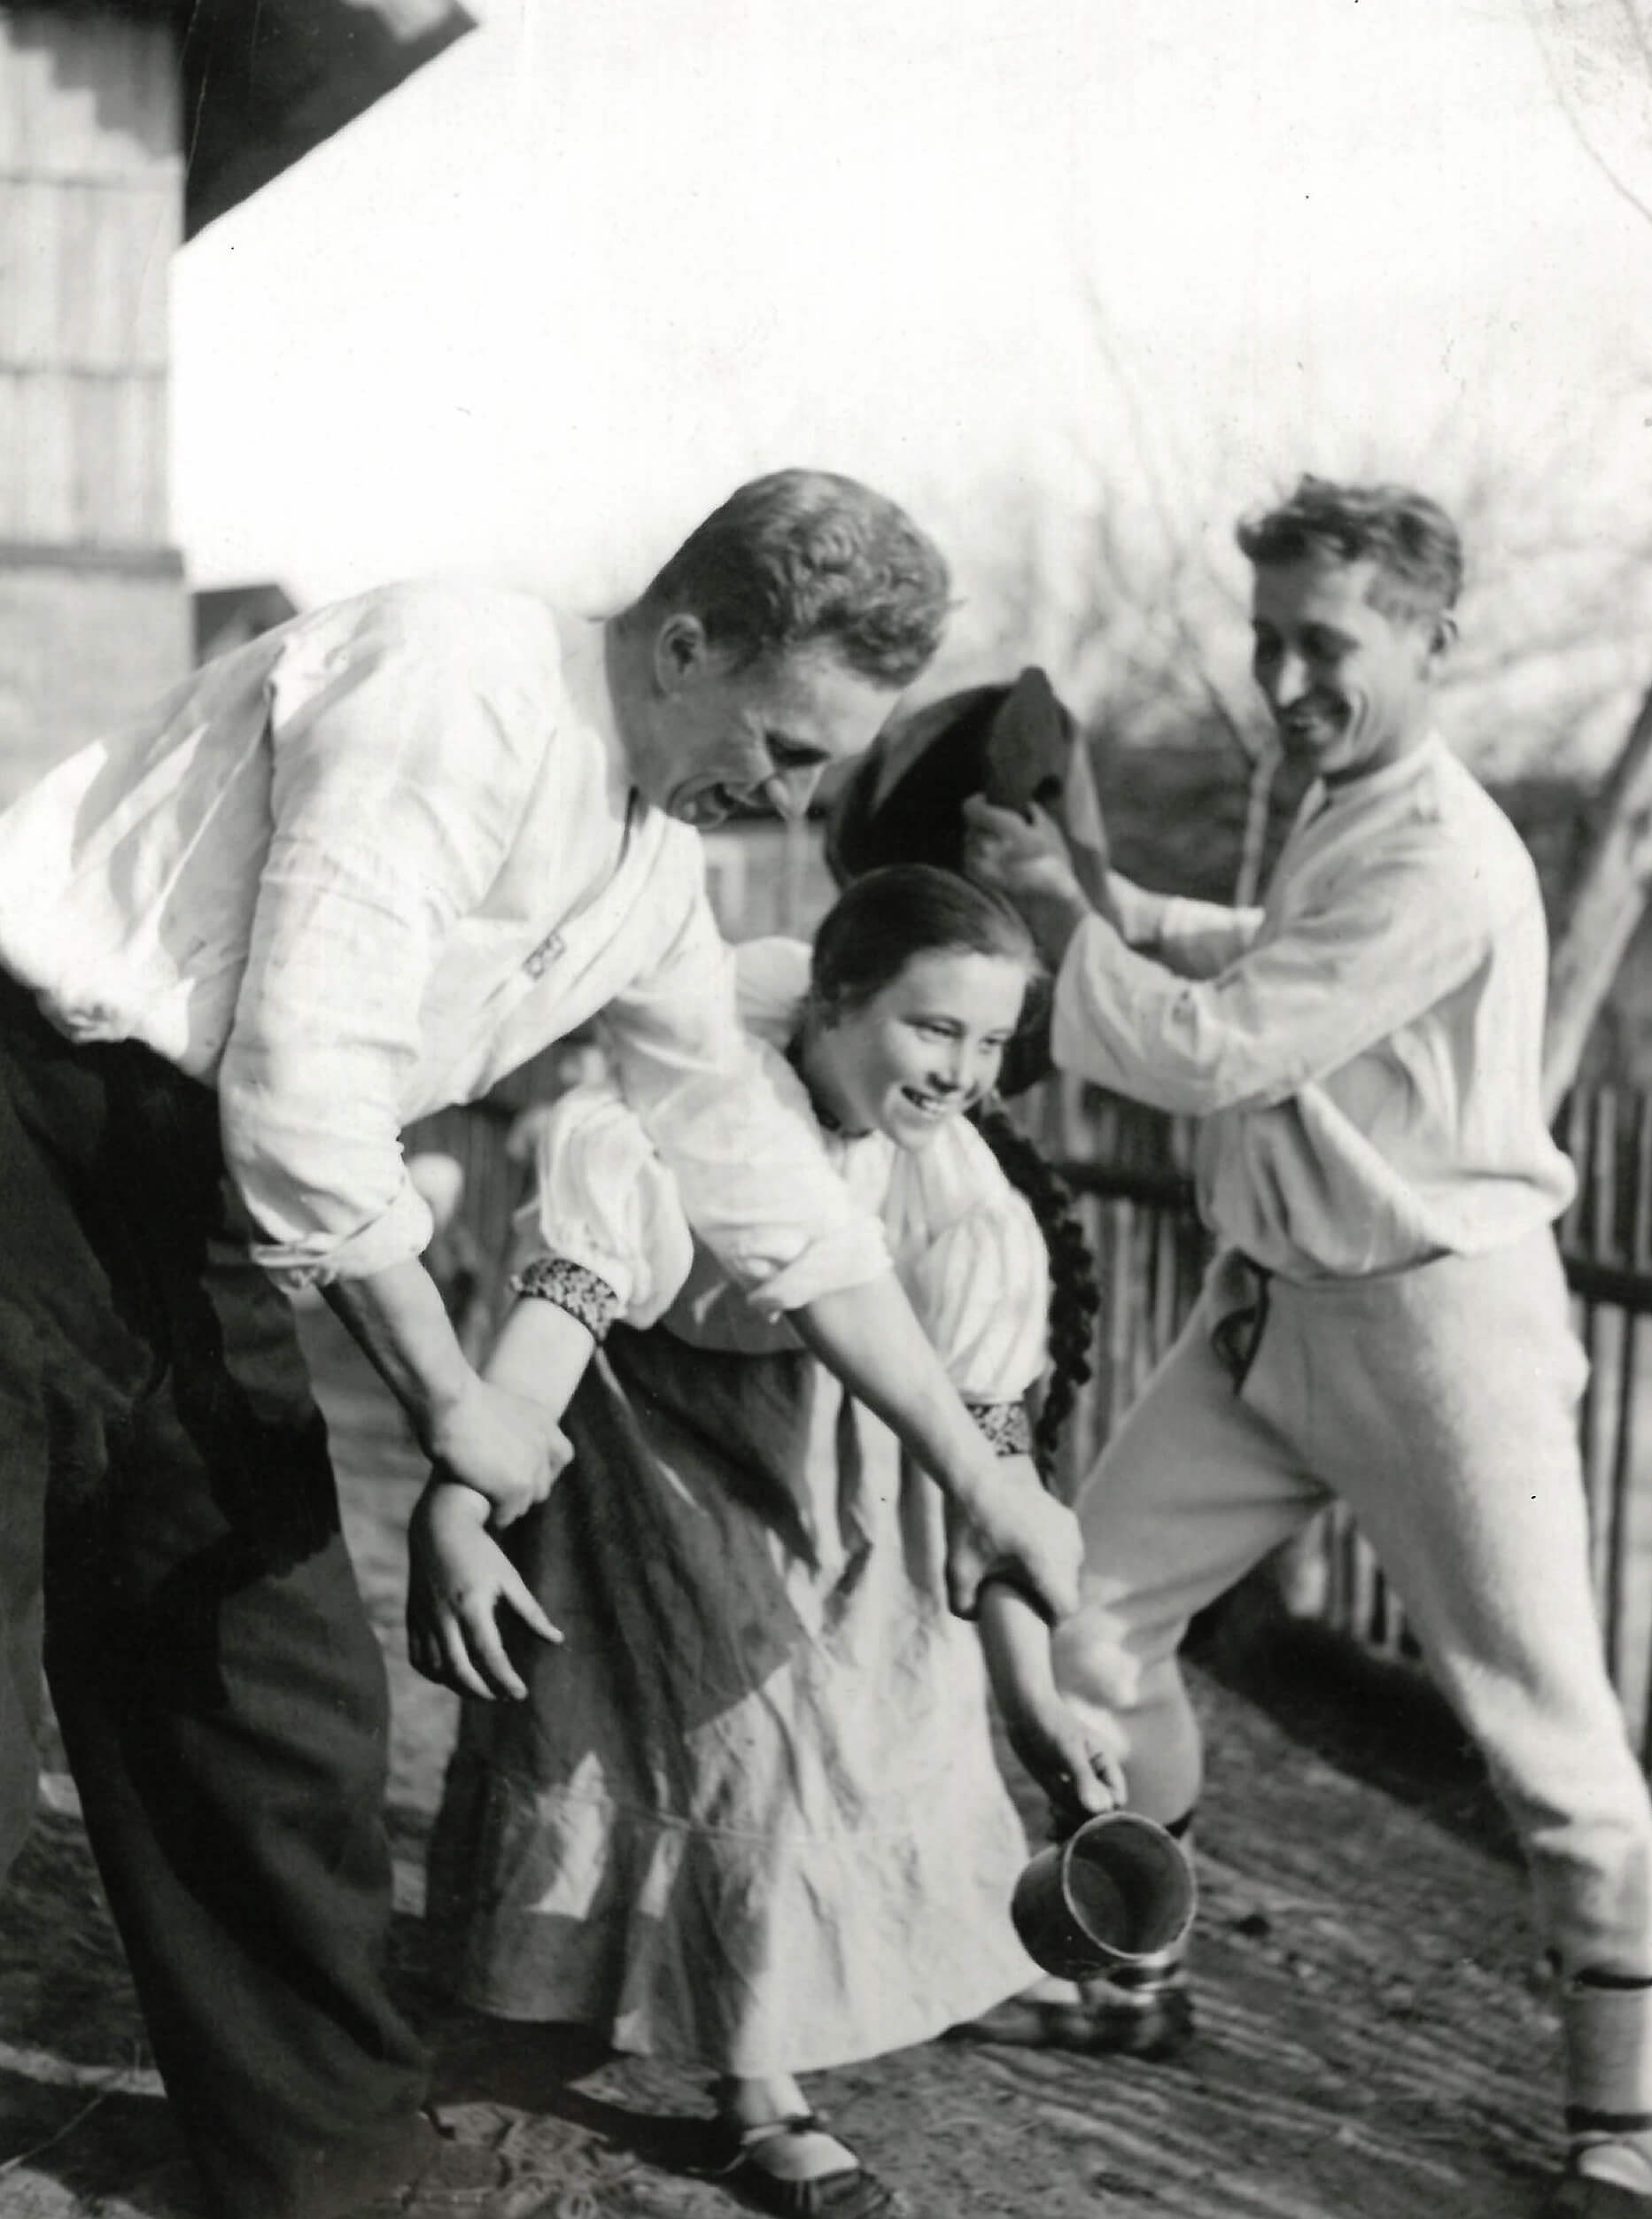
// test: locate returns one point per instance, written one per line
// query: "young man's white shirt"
(1365, 1050)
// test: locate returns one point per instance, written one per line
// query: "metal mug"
(1116, 1892)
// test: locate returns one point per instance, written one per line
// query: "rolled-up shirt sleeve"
(398, 772)
(603, 1200)
(1394, 941)
(737, 1135)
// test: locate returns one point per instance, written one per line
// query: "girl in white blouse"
(744, 1813)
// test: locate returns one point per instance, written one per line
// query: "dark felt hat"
(904, 800)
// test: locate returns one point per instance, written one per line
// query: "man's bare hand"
(1015, 1528)
(509, 1448)
(459, 1579)
(1015, 852)
(1027, 859)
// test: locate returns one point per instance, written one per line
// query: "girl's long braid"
(1075, 1293)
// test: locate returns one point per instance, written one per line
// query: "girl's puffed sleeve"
(604, 1234)
(980, 1285)
(982, 1291)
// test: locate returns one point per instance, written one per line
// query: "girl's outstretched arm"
(1079, 1778)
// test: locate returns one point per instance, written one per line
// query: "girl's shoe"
(842, 2192)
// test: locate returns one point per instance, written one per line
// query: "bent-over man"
(352, 873)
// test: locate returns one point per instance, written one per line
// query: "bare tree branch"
(1174, 532)
(1638, 32)
(1568, 109)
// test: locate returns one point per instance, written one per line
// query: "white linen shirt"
(1365, 1049)
(367, 865)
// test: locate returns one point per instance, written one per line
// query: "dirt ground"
(1374, 2042)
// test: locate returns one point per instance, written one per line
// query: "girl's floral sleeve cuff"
(582, 1293)
(1006, 1426)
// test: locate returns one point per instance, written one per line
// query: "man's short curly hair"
(1410, 539)
(805, 557)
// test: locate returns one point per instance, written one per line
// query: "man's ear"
(680, 650)
(1442, 637)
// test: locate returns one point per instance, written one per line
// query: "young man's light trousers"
(1440, 1404)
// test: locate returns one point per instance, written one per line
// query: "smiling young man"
(1387, 1319)
(359, 869)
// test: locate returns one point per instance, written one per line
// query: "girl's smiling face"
(922, 1049)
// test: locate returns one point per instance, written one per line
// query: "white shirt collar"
(1394, 777)
(584, 641)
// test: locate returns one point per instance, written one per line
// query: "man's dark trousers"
(168, 1516)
